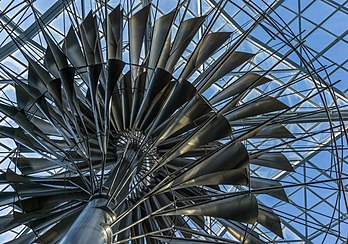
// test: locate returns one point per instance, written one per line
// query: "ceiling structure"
(317, 208)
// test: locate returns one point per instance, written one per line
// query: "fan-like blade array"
(125, 142)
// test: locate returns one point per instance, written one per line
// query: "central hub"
(139, 157)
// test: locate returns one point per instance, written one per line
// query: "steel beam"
(34, 29)
(293, 118)
(12, 25)
(268, 49)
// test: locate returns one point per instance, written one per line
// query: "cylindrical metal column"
(92, 225)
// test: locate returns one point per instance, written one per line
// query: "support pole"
(92, 225)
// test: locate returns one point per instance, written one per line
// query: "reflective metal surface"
(183, 124)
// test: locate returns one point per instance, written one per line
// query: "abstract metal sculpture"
(133, 153)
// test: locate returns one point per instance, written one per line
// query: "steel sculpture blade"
(141, 150)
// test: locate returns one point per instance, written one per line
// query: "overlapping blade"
(183, 92)
(271, 187)
(90, 40)
(202, 135)
(273, 160)
(196, 108)
(38, 76)
(274, 131)
(137, 28)
(126, 98)
(230, 157)
(242, 208)
(72, 49)
(57, 54)
(138, 96)
(264, 105)
(50, 63)
(114, 70)
(247, 81)
(226, 177)
(161, 32)
(114, 33)
(24, 101)
(203, 51)
(221, 67)
(147, 142)
(33, 165)
(159, 80)
(184, 35)
(270, 220)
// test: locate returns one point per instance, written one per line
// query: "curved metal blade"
(37, 71)
(124, 223)
(116, 110)
(24, 100)
(33, 165)
(242, 208)
(155, 107)
(33, 131)
(160, 33)
(36, 219)
(114, 32)
(165, 52)
(264, 105)
(156, 203)
(93, 80)
(258, 183)
(73, 50)
(270, 220)
(58, 55)
(247, 81)
(57, 232)
(138, 96)
(126, 99)
(46, 127)
(273, 160)
(193, 110)
(184, 35)
(227, 177)
(221, 67)
(137, 230)
(50, 63)
(274, 131)
(201, 151)
(206, 48)
(193, 124)
(114, 70)
(137, 27)
(230, 157)
(201, 136)
(90, 40)
(182, 92)
(35, 81)
(159, 80)
(19, 136)
(55, 89)
(67, 77)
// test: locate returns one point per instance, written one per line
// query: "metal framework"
(299, 47)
